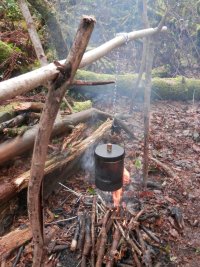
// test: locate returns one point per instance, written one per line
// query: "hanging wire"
(116, 81)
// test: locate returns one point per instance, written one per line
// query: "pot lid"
(109, 152)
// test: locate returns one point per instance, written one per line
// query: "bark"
(13, 240)
(49, 15)
(55, 95)
(33, 79)
(33, 33)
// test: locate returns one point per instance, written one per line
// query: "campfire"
(109, 233)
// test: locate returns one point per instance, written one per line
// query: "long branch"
(48, 116)
(28, 81)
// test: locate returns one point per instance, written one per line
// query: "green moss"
(7, 112)
(162, 88)
(79, 106)
(5, 51)
(161, 72)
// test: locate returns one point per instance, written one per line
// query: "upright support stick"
(147, 99)
(54, 98)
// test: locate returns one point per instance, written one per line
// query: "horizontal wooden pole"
(28, 81)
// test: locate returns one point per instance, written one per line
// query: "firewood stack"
(108, 237)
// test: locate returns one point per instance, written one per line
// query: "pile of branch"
(113, 237)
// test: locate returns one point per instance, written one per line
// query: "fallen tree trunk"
(8, 189)
(28, 81)
(13, 240)
(63, 165)
(21, 144)
(162, 88)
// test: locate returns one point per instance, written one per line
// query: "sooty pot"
(109, 167)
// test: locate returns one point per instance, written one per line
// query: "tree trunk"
(33, 33)
(49, 15)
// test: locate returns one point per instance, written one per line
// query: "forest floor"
(175, 141)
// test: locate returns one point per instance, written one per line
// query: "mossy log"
(179, 88)
(5, 51)
(8, 111)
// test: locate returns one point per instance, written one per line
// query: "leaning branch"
(54, 98)
(28, 81)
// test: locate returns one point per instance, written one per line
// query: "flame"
(126, 177)
(117, 195)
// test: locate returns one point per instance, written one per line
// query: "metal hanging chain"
(117, 69)
(116, 80)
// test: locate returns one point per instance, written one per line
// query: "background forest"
(177, 51)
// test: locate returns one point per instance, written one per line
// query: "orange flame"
(117, 195)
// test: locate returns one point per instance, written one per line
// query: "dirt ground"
(174, 141)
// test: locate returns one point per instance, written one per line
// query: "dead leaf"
(171, 200)
(174, 233)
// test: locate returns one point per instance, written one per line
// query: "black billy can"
(109, 167)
